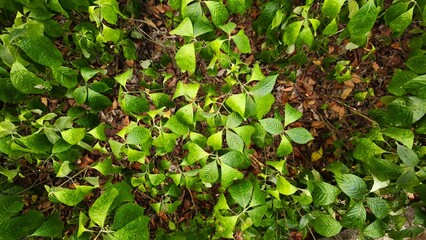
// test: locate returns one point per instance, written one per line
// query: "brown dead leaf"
(375, 66)
(355, 78)
(346, 92)
(317, 124)
(396, 45)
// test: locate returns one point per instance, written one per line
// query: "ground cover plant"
(241, 119)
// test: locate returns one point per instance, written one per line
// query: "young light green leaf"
(379, 207)
(263, 105)
(285, 187)
(352, 185)
(87, 72)
(228, 27)
(184, 28)
(138, 135)
(299, 135)
(65, 76)
(291, 114)
(136, 229)
(122, 78)
(355, 216)
(70, 197)
(291, 32)
(242, 42)
(185, 58)
(176, 126)
(234, 120)
(64, 169)
(186, 114)
(285, 147)
(331, 28)
(51, 228)
(264, 87)
(378, 184)
(363, 20)
(237, 103)
(104, 167)
(202, 26)
(229, 174)
(245, 132)
(41, 50)
(100, 208)
(331, 8)
(399, 24)
(241, 192)
(234, 141)
(235, 159)
(218, 12)
(125, 214)
(215, 141)
(278, 19)
(196, 153)
(324, 193)
(26, 81)
(327, 226)
(272, 125)
(189, 90)
(209, 173)
(111, 34)
(73, 135)
(99, 132)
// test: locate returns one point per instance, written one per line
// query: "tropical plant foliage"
(95, 143)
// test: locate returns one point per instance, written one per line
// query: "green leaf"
(124, 77)
(65, 76)
(404, 136)
(331, 28)
(355, 217)
(263, 105)
(324, 193)
(111, 34)
(156, 179)
(184, 28)
(378, 184)
(235, 159)
(26, 81)
(241, 192)
(285, 147)
(408, 180)
(291, 114)
(209, 173)
(242, 42)
(202, 26)
(218, 12)
(234, 141)
(80, 94)
(165, 143)
(379, 207)
(331, 8)
(134, 104)
(352, 185)
(70, 197)
(196, 153)
(104, 167)
(228, 27)
(399, 24)
(285, 187)
(189, 90)
(416, 86)
(363, 20)
(257, 213)
(125, 214)
(10, 206)
(383, 169)
(185, 58)
(73, 135)
(87, 73)
(291, 32)
(64, 169)
(417, 64)
(407, 155)
(138, 135)
(272, 125)
(8, 92)
(375, 230)
(234, 120)
(237, 103)
(100, 208)
(229, 174)
(264, 87)
(215, 141)
(176, 126)
(326, 226)
(99, 132)
(186, 114)
(245, 132)
(97, 101)
(278, 19)
(136, 229)
(41, 50)
(299, 135)
(237, 6)
(51, 228)
(395, 10)
(365, 148)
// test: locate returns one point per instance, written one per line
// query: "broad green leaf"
(237, 103)
(215, 141)
(70, 197)
(395, 10)
(229, 174)
(125, 214)
(408, 180)
(8, 92)
(383, 169)
(64, 169)
(235, 159)
(327, 226)
(258, 197)
(299, 135)
(407, 155)
(416, 64)
(176, 126)
(399, 24)
(278, 165)
(245, 132)
(352, 185)
(291, 114)
(272, 125)
(6, 128)
(363, 20)
(184, 28)
(156, 179)
(51, 228)
(237, 6)
(185, 58)
(228, 27)
(241, 192)
(196, 153)
(122, 78)
(416, 86)
(264, 105)
(189, 90)
(305, 37)
(331, 8)
(278, 19)
(399, 79)
(104, 167)
(65, 76)
(175, 4)
(378, 184)
(242, 42)
(186, 114)
(87, 72)
(10, 206)
(218, 12)
(285, 187)
(202, 26)
(100, 208)
(291, 32)
(209, 173)
(257, 213)
(250, 107)
(331, 28)
(379, 207)
(264, 87)
(355, 217)
(138, 136)
(80, 94)
(234, 120)
(136, 229)
(256, 73)
(41, 50)
(111, 34)
(221, 203)
(26, 81)
(324, 193)
(73, 135)
(99, 132)
(375, 230)
(165, 142)
(134, 104)
(97, 101)
(234, 141)
(285, 147)
(365, 148)
(226, 226)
